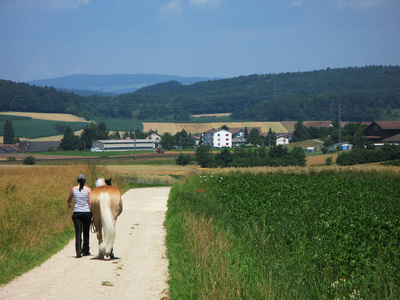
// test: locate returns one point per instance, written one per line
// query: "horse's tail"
(108, 224)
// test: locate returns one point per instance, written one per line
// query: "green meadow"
(300, 234)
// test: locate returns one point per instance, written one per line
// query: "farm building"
(218, 138)
(237, 142)
(283, 139)
(40, 146)
(382, 131)
(123, 145)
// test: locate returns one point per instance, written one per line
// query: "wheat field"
(173, 128)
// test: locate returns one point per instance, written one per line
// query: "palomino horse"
(106, 207)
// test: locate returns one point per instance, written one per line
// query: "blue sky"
(208, 38)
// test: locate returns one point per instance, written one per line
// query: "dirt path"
(139, 270)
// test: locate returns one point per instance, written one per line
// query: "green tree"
(225, 157)
(300, 132)
(102, 132)
(224, 127)
(277, 151)
(88, 136)
(69, 141)
(29, 160)
(183, 159)
(271, 138)
(167, 141)
(203, 156)
(8, 132)
(182, 138)
(254, 137)
(299, 156)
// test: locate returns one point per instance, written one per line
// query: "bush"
(183, 159)
(29, 160)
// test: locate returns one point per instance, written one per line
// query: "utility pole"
(340, 127)
(180, 144)
(134, 134)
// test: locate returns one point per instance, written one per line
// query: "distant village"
(378, 133)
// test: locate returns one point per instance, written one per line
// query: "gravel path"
(139, 270)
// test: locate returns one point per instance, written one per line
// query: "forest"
(362, 93)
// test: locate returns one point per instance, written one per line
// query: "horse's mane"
(102, 182)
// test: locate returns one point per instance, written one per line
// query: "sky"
(207, 38)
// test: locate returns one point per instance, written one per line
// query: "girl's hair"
(81, 184)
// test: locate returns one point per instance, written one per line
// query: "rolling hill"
(86, 85)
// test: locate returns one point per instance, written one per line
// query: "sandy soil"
(139, 270)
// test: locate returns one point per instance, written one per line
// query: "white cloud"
(297, 3)
(204, 2)
(361, 4)
(174, 6)
(64, 4)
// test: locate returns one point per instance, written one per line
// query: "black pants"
(82, 224)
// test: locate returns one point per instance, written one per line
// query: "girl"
(82, 215)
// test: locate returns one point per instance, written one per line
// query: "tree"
(69, 141)
(167, 141)
(277, 151)
(88, 136)
(203, 156)
(102, 132)
(183, 159)
(8, 132)
(254, 137)
(271, 138)
(299, 156)
(29, 160)
(224, 127)
(225, 157)
(300, 132)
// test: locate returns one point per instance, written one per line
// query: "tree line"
(363, 94)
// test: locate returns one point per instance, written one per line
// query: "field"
(285, 233)
(173, 128)
(46, 116)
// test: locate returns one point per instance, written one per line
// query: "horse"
(106, 207)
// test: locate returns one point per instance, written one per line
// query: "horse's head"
(100, 182)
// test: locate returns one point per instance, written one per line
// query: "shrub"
(29, 160)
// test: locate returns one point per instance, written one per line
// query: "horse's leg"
(99, 230)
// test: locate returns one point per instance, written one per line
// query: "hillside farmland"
(173, 128)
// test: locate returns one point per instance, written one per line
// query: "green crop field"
(256, 235)
(35, 128)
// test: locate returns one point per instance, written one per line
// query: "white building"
(123, 145)
(218, 138)
(282, 140)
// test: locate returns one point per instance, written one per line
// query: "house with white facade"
(218, 138)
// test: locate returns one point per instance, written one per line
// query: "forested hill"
(365, 94)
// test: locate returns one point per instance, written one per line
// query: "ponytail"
(81, 184)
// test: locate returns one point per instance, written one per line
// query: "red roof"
(392, 139)
(388, 124)
(318, 124)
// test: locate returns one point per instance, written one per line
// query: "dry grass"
(46, 116)
(173, 128)
(371, 170)
(210, 249)
(152, 170)
(320, 159)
